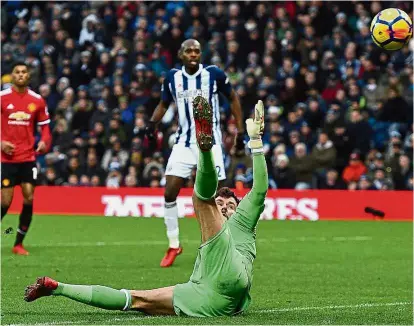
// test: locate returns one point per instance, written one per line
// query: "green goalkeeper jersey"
(223, 272)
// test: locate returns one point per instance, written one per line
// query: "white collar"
(200, 68)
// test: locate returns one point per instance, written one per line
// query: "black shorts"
(13, 174)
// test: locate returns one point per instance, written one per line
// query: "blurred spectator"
(114, 176)
(355, 169)
(380, 182)
(365, 183)
(283, 175)
(114, 154)
(331, 181)
(403, 173)
(395, 108)
(324, 153)
(360, 132)
(303, 166)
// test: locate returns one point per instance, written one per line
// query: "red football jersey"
(19, 114)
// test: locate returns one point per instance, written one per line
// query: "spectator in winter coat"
(302, 164)
(360, 132)
(283, 175)
(324, 152)
(355, 169)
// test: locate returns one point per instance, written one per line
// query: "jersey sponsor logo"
(31, 107)
(189, 95)
(10, 106)
(6, 182)
(19, 118)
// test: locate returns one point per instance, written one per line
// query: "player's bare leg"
(208, 215)
(6, 199)
(25, 218)
(172, 189)
(151, 302)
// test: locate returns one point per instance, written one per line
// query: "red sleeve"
(46, 135)
(42, 114)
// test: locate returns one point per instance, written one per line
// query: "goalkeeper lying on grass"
(222, 275)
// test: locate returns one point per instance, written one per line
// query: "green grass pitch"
(305, 272)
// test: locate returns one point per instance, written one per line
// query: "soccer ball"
(391, 29)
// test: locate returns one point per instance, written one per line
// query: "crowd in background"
(338, 108)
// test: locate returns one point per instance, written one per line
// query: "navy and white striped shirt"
(182, 88)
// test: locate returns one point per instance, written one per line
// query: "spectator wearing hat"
(303, 165)
(84, 70)
(355, 169)
(88, 29)
(282, 173)
(114, 177)
(324, 153)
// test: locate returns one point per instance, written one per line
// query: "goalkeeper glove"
(255, 127)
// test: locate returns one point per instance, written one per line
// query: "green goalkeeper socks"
(206, 179)
(96, 295)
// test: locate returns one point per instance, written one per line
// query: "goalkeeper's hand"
(255, 127)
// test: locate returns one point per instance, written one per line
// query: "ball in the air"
(391, 29)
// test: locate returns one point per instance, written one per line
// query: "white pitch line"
(130, 318)
(163, 243)
(361, 305)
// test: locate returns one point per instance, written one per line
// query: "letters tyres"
(279, 204)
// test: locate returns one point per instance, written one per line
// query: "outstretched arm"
(252, 204)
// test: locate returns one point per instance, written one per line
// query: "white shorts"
(184, 159)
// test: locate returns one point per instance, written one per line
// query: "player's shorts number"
(218, 168)
(34, 170)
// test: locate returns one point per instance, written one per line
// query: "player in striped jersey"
(182, 86)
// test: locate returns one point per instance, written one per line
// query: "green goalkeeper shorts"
(220, 282)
